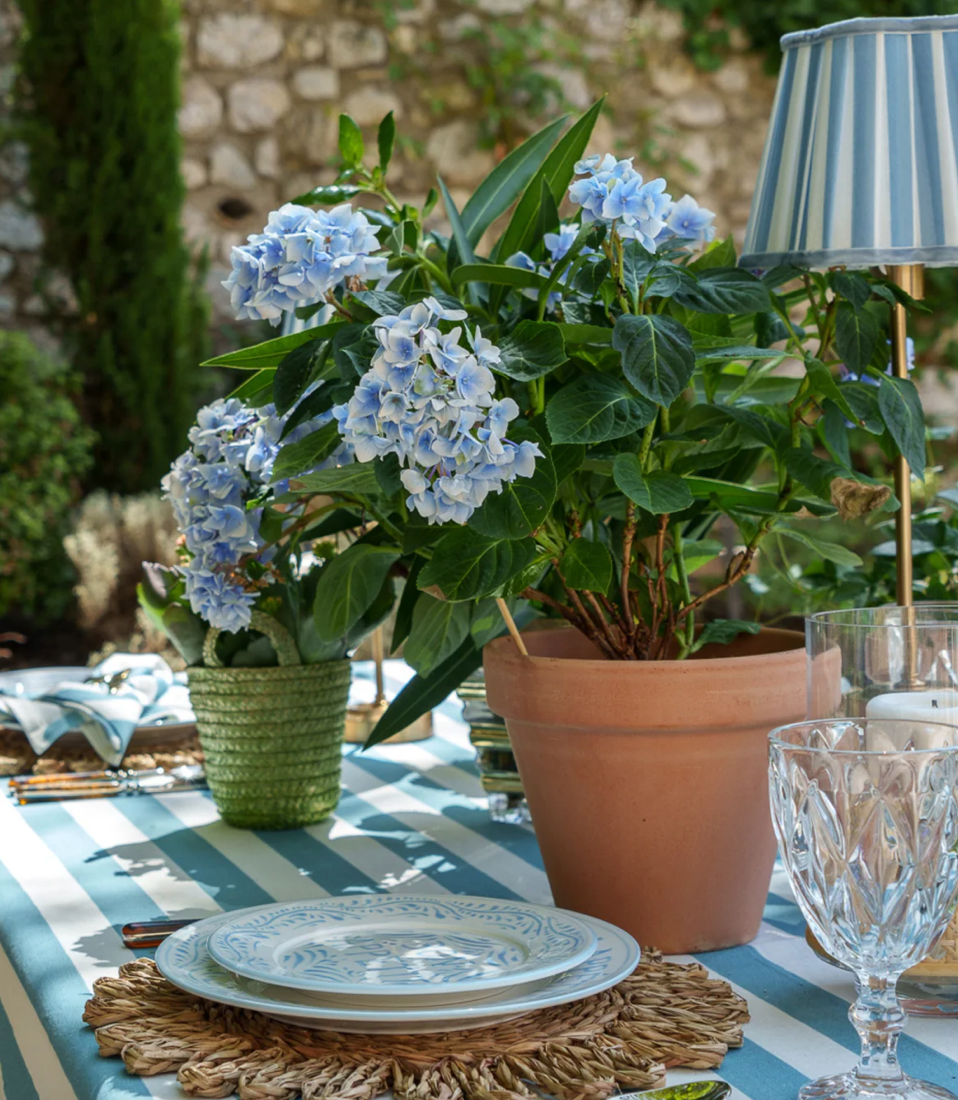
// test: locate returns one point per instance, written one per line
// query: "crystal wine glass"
(866, 814)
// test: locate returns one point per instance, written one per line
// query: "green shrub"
(97, 103)
(44, 451)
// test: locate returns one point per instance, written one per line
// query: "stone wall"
(265, 80)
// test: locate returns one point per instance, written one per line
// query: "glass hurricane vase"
(866, 815)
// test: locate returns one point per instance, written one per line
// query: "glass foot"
(849, 1086)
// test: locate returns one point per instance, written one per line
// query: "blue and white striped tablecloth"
(412, 817)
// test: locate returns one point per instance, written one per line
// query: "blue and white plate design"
(387, 945)
(184, 960)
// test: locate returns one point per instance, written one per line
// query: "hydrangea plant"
(564, 417)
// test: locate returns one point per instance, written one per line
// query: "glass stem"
(879, 1019)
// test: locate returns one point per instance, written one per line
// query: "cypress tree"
(97, 101)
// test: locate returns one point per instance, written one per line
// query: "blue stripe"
(17, 1082)
(835, 137)
(819, 1009)
(758, 1073)
(765, 204)
(521, 842)
(58, 995)
(863, 142)
(899, 145)
(325, 866)
(927, 153)
(800, 211)
(208, 868)
(950, 51)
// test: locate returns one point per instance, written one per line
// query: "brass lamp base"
(361, 721)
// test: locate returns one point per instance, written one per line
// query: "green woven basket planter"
(272, 737)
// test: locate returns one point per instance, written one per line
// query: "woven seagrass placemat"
(665, 1015)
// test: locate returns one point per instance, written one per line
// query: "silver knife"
(694, 1090)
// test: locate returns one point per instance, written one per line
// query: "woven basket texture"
(273, 741)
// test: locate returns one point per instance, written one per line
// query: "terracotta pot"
(647, 781)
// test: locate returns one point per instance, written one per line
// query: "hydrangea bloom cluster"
(299, 256)
(428, 399)
(612, 190)
(229, 463)
(557, 245)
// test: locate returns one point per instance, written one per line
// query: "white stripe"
(946, 140)
(842, 212)
(881, 230)
(37, 1052)
(417, 757)
(818, 157)
(779, 235)
(273, 873)
(913, 139)
(90, 942)
(496, 862)
(158, 876)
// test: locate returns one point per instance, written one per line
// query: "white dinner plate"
(184, 960)
(408, 945)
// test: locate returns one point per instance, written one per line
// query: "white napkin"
(107, 718)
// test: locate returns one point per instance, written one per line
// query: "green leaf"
(725, 290)
(854, 288)
(407, 604)
(295, 372)
(863, 400)
(522, 505)
(387, 470)
(736, 351)
(385, 138)
(901, 410)
(830, 551)
(532, 349)
(813, 472)
(657, 355)
(379, 302)
(658, 492)
(463, 253)
(351, 147)
(723, 631)
(720, 253)
(856, 336)
(500, 189)
(498, 274)
(585, 334)
(253, 391)
(556, 171)
(834, 432)
(357, 477)
(567, 458)
(271, 352)
(348, 336)
(422, 693)
(825, 387)
(348, 586)
(466, 565)
(329, 195)
(763, 428)
(587, 566)
(438, 629)
(305, 453)
(595, 408)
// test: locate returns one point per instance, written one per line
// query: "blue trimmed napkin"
(106, 714)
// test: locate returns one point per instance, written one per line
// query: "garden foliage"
(98, 103)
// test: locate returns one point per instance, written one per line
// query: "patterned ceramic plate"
(390, 945)
(185, 961)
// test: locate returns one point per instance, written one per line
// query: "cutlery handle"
(150, 933)
(62, 794)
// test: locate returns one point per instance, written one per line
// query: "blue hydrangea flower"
(299, 256)
(557, 245)
(212, 488)
(613, 191)
(688, 221)
(428, 398)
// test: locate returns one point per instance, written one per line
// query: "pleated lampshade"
(861, 159)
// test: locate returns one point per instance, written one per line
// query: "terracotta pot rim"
(506, 650)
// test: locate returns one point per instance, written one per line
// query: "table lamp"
(860, 170)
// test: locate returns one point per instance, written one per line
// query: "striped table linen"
(412, 818)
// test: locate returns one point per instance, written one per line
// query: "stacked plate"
(398, 964)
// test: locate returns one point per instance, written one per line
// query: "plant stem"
(647, 437)
(628, 535)
(681, 569)
(436, 272)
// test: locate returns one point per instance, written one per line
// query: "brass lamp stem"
(911, 278)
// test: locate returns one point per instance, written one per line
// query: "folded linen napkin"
(105, 713)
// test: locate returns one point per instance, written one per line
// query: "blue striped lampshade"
(861, 160)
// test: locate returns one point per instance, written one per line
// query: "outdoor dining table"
(412, 818)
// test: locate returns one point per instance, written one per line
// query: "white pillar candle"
(918, 707)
